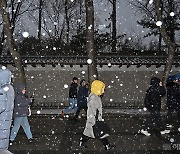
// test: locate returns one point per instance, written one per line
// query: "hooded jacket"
(21, 103)
(94, 103)
(6, 107)
(153, 95)
(82, 94)
(73, 90)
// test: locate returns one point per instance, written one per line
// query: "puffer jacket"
(21, 103)
(6, 107)
(154, 94)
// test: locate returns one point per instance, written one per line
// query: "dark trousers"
(84, 139)
(170, 115)
(79, 110)
(154, 122)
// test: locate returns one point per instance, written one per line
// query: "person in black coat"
(72, 97)
(82, 97)
(153, 104)
(173, 100)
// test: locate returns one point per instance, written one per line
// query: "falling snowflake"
(89, 61)
(159, 23)
(172, 14)
(6, 88)
(151, 1)
(171, 140)
(144, 109)
(3, 67)
(65, 86)
(89, 27)
(55, 23)
(44, 96)
(109, 64)
(25, 34)
(38, 112)
(111, 100)
(83, 72)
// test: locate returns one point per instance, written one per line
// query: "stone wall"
(125, 87)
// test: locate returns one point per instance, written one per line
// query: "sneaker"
(169, 126)
(31, 140)
(110, 147)
(165, 132)
(82, 145)
(145, 132)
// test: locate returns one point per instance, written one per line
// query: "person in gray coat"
(94, 104)
(21, 104)
(6, 109)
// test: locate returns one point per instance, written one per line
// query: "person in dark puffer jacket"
(152, 102)
(21, 112)
(82, 97)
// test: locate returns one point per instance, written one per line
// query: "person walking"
(173, 101)
(72, 97)
(94, 105)
(153, 104)
(6, 109)
(82, 97)
(22, 102)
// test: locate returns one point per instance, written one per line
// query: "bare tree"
(92, 69)
(167, 39)
(17, 9)
(19, 74)
(113, 18)
(148, 10)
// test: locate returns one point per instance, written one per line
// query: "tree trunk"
(113, 17)
(67, 21)
(40, 19)
(168, 42)
(92, 68)
(19, 73)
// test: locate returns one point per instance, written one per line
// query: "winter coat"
(94, 104)
(173, 96)
(153, 95)
(82, 95)
(73, 90)
(21, 103)
(6, 108)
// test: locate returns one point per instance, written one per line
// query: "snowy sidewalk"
(113, 111)
(57, 136)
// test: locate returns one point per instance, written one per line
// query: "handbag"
(100, 128)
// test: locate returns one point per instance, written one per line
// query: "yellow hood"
(97, 87)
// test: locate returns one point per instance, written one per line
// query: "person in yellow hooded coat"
(94, 103)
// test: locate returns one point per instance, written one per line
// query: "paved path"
(57, 136)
